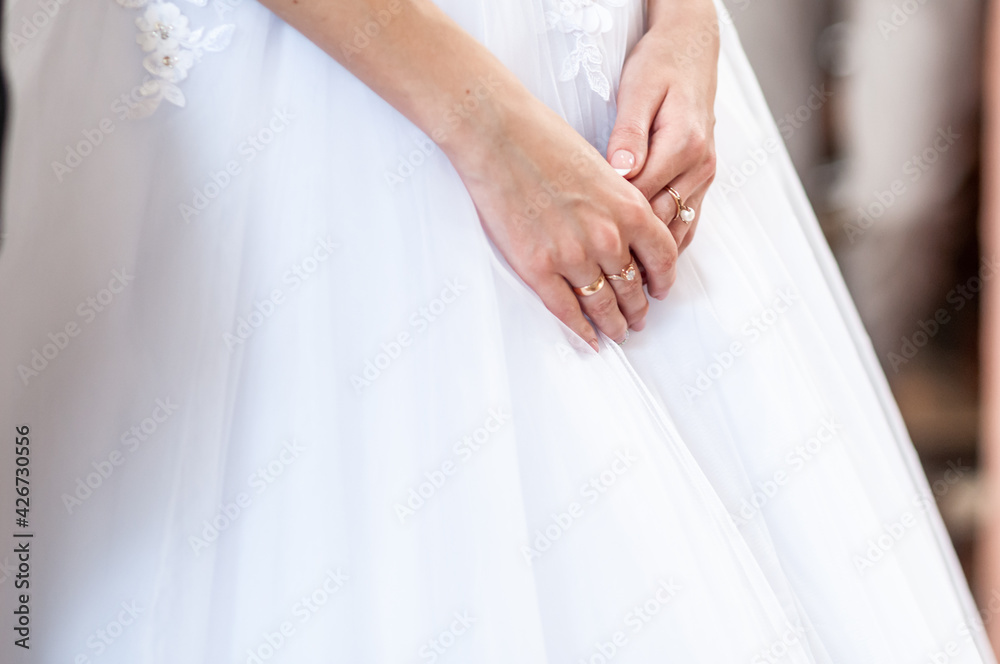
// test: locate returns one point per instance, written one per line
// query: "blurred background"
(889, 109)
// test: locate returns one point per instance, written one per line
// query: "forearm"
(695, 14)
(422, 63)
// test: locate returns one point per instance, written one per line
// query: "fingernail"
(623, 162)
(639, 325)
(593, 344)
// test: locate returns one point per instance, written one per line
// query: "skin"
(424, 64)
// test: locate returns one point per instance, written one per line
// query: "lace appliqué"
(172, 48)
(587, 19)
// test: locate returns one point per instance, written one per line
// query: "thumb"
(629, 141)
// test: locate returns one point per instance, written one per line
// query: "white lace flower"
(162, 28)
(173, 48)
(586, 20)
(170, 66)
(582, 15)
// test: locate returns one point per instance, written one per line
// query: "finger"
(665, 208)
(560, 299)
(696, 203)
(631, 298)
(677, 147)
(656, 249)
(602, 306)
(638, 103)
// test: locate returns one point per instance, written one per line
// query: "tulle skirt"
(277, 398)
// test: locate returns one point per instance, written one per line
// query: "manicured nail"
(623, 162)
(593, 344)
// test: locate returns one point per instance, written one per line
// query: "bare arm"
(421, 62)
(424, 64)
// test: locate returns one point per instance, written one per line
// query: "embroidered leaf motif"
(599, 83)
(144, 107)
(586, 20)
(173, 94)
(219, 38)
(571, 67)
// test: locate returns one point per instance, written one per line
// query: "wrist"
(472, 128)
(692, 16)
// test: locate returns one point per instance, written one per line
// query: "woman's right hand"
(562, 217)
(512, 152)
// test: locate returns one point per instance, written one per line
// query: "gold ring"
(590, 289)
(684, 213)
(627, 273)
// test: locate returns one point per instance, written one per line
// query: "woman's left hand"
(664, 133)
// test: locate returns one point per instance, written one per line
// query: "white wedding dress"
(285, 403)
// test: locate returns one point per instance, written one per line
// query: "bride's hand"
(664, 130)
(507, 150)
(562, 217)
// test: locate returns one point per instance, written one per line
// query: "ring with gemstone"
(627, 273)
(684, 213)
(591, 288)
